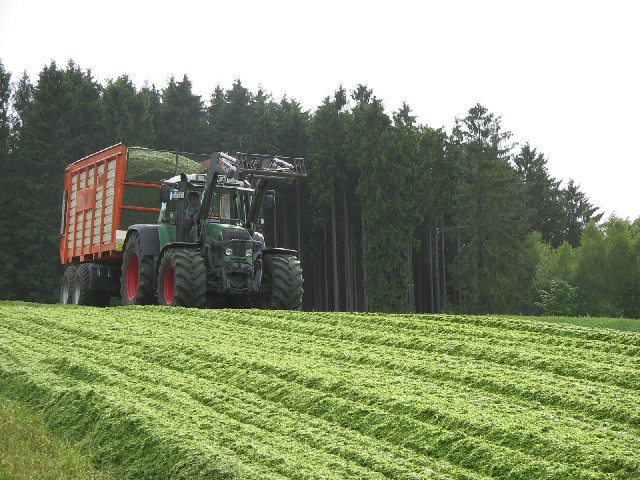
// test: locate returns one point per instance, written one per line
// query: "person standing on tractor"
(258, 235)
(192, 211)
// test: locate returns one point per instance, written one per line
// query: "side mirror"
(269, 199)
(165, 194)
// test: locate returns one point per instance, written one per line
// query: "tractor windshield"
(229, 204)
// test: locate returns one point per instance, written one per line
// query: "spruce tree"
(387, 158)
(591, 274)
(150, 101)
(328, 170)
(235, 121)
(181, 125)
(60, 125)
(578, 212)
(493, 268)
(216, 135)
(7, 190)
(291, 128)
(21, 99)
(5, 97)
(543, 197)
(127, 115)
(622, 267)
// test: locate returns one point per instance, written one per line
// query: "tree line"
(394, 216)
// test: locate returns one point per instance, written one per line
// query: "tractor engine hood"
(229, 242)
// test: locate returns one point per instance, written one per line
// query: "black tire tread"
(285, 275)
(87, 295)
(190, 277)
(68, 277)
(145, 294)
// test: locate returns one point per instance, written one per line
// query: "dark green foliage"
(5, 96)
(229, 119)
(493, 268)
(558, 299)
(127, 114)
(150, 100)
(291, 124)
(263, 120)
(84, 111)
(8, 220)
(622, 255)
(392, 193)
(21, 99)
(327, 152)
(578, 213)
(603, 271)
(544, 199)
(61, 123)
(180, 125)
(385, 157)
(591, 278)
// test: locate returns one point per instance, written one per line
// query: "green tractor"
(208, 252)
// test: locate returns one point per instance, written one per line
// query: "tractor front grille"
(239, 247)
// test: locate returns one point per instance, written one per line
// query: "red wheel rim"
(169, 285)
(132, 277)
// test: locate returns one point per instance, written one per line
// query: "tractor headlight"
(249, 252)
(228, 251)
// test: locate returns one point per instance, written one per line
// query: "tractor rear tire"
(182, 279)
(136, 281)
(82, 294)
(66, 287)
(284, 274)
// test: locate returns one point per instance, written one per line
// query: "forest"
(395, 216)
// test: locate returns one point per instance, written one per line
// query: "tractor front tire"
(182, 279)
(82, 294)
(136, 281)
(66, 287)
(284, 274)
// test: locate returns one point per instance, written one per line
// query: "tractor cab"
(218, 228)
(229, 202)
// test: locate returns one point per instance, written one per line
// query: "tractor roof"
(197, 181)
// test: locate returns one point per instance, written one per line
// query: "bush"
(559, 298)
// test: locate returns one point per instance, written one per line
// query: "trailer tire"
(66, 286)
(182, 279)
(82, 294)
(284, 274)
(136, 280)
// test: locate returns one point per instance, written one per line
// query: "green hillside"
(236, 394)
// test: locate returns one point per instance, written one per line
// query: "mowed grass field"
(28, 450)
(248, 394)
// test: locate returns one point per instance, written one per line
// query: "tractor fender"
(277, 250)
(174, 245)
(149, 238)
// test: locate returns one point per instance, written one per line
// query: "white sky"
(563, 75)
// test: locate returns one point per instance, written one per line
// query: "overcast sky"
(563, 75)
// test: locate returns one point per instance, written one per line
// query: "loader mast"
(256, 205)
(246, 167)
